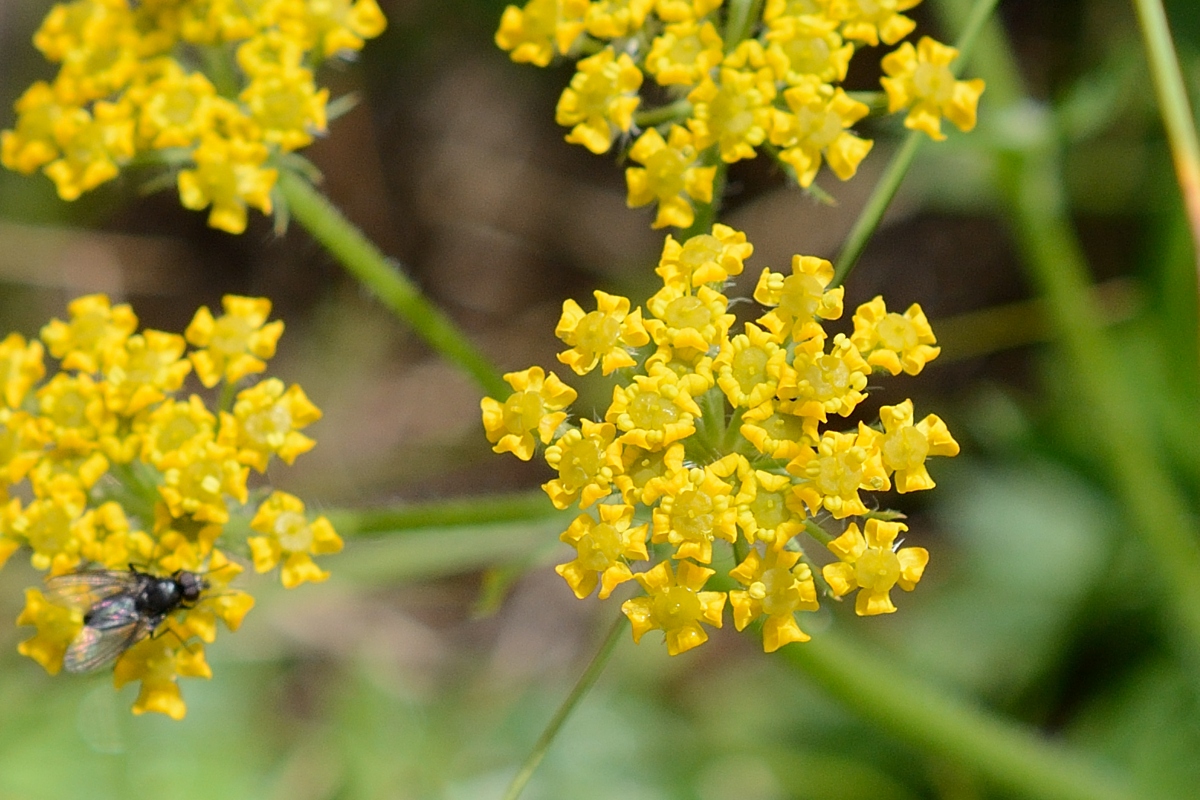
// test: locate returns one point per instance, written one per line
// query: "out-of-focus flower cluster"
(108, 464)
(727, 84)
(216, 90)
(742, 438)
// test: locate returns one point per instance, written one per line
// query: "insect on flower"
(120, 608)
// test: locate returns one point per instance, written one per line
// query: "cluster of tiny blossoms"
(730, 83)
(218, 90)
(734, 437)
(109, 465)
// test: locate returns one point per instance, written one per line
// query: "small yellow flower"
(172, 425)
(920, 80)
(586, 460)
(92, 146)
(773, 432)
(894, 342)
(767, 508)
(543, 27)
(799, 299)
(229, 176)
(684, 53)
(610, 19)
(289, 537)
(602, 549)
(695, 510)
(831, 475)
(872, 564)
(22, 441)
(287, 106)
(704, 258)
(604, 336)
(108, 538)
(535, 406)
(237, 343)
(95, 328)
(198, 477)
(646, 475)
(815, 126)
(670, 171)
(684, 320)
(57, 627)
(904, 446)
(218, 602)
(653, 411)
(777, 587)
(819, 383)
(21, 366)
(735, 112)
(157, 662)
(676, 605)
(32, 143)
(777, 9)
(871, 21)
(50, 527)
(266, 421)
(331, 26)
(808, 46)
(142, 370)
(600, 101)
(73, 413)
(175, 108)
(749, 366)
(184, 541)
(67, 475)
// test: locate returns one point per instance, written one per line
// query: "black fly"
(120, 608)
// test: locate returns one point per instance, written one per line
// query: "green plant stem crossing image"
(697, 399)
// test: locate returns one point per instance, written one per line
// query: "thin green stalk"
(582, 686)
(384, 278)
(743, 15)
(477, 510)
(1007, 754)
(871, 215)
(1176, 110)
(672, 112)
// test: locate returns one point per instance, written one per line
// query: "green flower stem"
(706, 213)
(1008, 755)
(1031, 182)
(585, 683)
(1176, 110)
(672, 112)
(869, 218)
(743, 16)
(479, 510)
(384, 278)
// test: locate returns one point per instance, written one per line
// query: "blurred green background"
(431, 660)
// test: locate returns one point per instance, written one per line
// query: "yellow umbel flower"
(535, 406)
(894, 342)
(683, 10)
(128, 90)
(871, 563)
(105, 468)
(815, 125)
(600, 101)
(725, 442)
(609, 19)
(670, 170)
(872, 21)
(289, 536)
(237, 343)
(604, 336)
(920, 80)
(603, 549)
(676, 604)
(542, 28)
(734, 112)
(808, 46)
(684, 53)
(777, 586)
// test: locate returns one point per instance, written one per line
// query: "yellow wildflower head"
(158, 662)
(586, 459)
(535, 33)
(807, 46)
(870, 562)
(56, 625)
(21, 366)
(671, 174)
(894, 342)
(904, 446)
(684, 53)
(603, 549)
(534, 407)
(266, 421)
(799, 300)
(600, 101)
(920, 80)
(237, 343)
(705, 258)
(832, 474)
(653, 411)
(289, 537)
(696, 509)
(95, 328)
(872, 21)
(676, 604)
(777, 585)
(815, 126)
(604, 336)
(734, 112)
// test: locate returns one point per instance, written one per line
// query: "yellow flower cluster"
(732, 84)
(716, 435)
(108, 465)
(131, 85)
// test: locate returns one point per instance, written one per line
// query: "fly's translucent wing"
(94, 647)
(83, 590)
